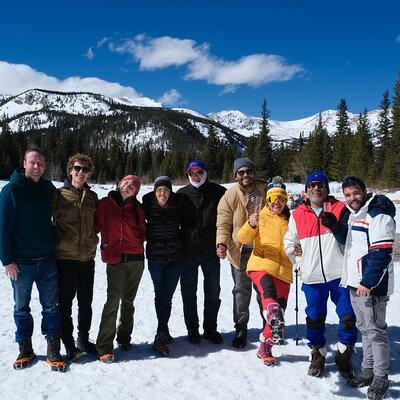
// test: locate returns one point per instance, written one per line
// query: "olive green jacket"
(74, 220)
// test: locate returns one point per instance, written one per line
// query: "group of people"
(343, 250)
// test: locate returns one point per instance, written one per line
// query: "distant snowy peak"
(139, 102)
(192, 112)
(281, 130)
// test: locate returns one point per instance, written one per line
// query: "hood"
(68, 185)
(18, 177)
(384, 203)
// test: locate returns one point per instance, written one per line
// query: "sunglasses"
(316, 185)
(196, 173)
(275, 198)
(241, 172)
(78, 168)
(160, 190)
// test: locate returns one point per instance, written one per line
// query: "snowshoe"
(107, 358)
(26, 355)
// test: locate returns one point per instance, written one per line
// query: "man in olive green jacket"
(76, 241)
(234, 209)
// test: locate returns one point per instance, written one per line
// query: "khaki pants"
(122, 285)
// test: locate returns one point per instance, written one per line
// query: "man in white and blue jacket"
(368, 273)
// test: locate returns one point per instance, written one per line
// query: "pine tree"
(361, 159)
(384, 128)
(319, 148)
(391, 170)
(211, 155)
(264, 155)
(340, 143)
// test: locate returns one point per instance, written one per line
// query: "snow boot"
(160, 344)
(194, 337)
(169, 338)
(343, 360)
(378, 388)
(213, 336)
(85, 345)
(240, 339)
(26, 355)
(317, 358)
(54, 358)
(73, 353)
(362, 379)
(265, 354)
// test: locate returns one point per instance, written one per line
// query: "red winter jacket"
(122, 227)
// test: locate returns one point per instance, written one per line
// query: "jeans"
(44, 273)
(211, 270)
(165, 277)
(76, 278)
(122, 285)
(317, 297)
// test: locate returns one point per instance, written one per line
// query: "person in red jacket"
(121, 222)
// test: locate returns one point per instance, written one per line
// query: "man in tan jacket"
(234, 209)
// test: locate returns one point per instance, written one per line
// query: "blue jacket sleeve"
(340, 232)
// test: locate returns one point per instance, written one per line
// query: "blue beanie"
(317, 176)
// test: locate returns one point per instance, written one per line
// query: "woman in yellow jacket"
(269, 267)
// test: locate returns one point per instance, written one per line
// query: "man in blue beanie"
(321, 269)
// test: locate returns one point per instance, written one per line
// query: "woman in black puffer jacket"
(164, 252)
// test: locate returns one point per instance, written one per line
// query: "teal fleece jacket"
(26, 229)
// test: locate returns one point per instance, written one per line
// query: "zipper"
(320, 248)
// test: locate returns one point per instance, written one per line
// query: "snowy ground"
(204, 371)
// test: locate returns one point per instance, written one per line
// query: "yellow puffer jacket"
(268, 253)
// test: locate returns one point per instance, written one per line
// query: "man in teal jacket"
(27, 253)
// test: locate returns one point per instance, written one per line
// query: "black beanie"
(163, 181)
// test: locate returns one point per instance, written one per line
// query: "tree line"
(371, 155)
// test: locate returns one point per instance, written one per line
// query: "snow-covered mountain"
(281, 130)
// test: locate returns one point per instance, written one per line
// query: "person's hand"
(329, 220)
(362, 291)
(297, 251)
(253, 220)
(221, 250)
(12, 271)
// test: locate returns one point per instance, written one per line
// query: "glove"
(330, 221)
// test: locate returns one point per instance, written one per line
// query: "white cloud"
(398, 39)
(158, 53)
(16, 78)
(90, 53)
(166, 51)
(170, 98)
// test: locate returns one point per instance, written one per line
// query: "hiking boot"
(265, 354)
(240, 339)
(85, 345)
(343, 360)
(73, 353)
(213, 336)
(364, 378)
(169, 338)
(160, 344)
(107, 358)
(378, 388)
(26, 355)
(317, 357)
(194, 337)
(54, 358)
(274, 316)
(125, 346)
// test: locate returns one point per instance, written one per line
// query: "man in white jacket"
(321, 267)
(368, 236)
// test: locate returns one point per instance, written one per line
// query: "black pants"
(211, 270)
(75, 278)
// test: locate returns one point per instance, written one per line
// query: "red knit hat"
(135, 181)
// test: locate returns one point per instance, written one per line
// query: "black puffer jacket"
(200, 218)
(164, 237)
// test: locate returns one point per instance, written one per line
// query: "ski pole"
(296, 271)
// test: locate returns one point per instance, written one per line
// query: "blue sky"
(302, 56)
